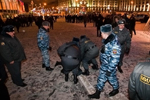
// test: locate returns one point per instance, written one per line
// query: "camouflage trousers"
(46, 58)
(102, 78)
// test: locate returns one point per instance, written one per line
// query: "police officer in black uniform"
(139, 83)
(12, 53)
(70, 59)
(89, 51)
(124, 39)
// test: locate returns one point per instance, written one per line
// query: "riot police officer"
(89, 51)
(43, 44)
(109, 57)
(139, 83)
(124, 39)
(70, 59)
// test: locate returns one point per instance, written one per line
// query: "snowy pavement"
(44, 85)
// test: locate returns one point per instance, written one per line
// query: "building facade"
(11, 6)
(84, 6)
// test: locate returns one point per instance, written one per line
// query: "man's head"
(106, 30)
(121, 24)
(9, 29)
(46, 24)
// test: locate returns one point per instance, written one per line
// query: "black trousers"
(69, 65)
(3, 73)
(4, 95)
(15, 72)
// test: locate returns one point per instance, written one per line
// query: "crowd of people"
(116, 39)
(99, 20)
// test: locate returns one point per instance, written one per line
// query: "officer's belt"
(71, 57)
(90, 48)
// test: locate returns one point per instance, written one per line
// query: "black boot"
(114, 92)
(119, 69)
(95, 66)
(49, 68)
(66, 77)
(43, 66)
(95, 95)
(86, 72)
(58, 63)
(75, 79)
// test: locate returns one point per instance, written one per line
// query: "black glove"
(127, 51)
(50, 48)
(108, 73)
(103, 49)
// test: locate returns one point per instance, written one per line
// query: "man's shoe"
(66, 77)
(119, 69)
(23, 85)
(86, 72)
(43, 66)
(75, 79)
(114, 92)
(95, 95)
(49, 69)
(95, 66)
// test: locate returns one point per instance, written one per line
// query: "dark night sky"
(49, 2)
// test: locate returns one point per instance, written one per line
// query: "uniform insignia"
(41, 38)
(114, 51)
(2, 43)
(145, 79)
(86, 41)
(116, 32)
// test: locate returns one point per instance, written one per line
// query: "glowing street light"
(45, 4)
(131, 2)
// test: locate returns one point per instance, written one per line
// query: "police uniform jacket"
(43, 39)
(139, 83)
(11, 49)
(88, 48)
(70, 56)
(110, 53)
(69, 49)
(123, 37)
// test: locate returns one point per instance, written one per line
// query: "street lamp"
(45, 4)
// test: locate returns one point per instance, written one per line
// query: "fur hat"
(106, 28)
(45, 23)
(121, 22)
(8, 28)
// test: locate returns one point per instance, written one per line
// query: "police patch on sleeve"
(2, 43)
(114, 51)
(145, 79)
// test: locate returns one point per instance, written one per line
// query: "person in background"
(124, 39)
(43, 42)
